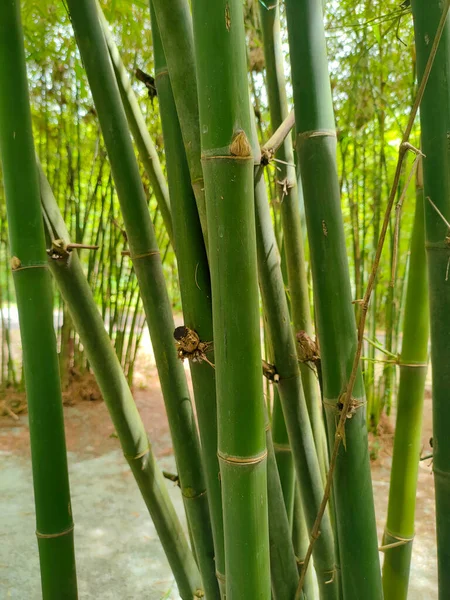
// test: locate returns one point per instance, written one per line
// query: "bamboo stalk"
(283, 454)
(54, 523)
(147, 264)
(290, 389)
(283, 564)
(144, 143)
(290, 216)
(195, 290)
(300, 538)
(228, 173)
(431, 17)
(408, 428)
(316, 151)
(117, 395)
(175, 25)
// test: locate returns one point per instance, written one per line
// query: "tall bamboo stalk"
(300, 538)
(408, 425)
(228, 172)
(316, 151)
(144, 143)
(175, 24)
(435, 123)
(147, 264)
(289, 194)
(54, 523)
(283, 454)
(283, 564)
(290, 388)
(195, 289)
(117, 395)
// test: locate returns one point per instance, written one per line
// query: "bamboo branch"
(271, 146)
(347, 400)
(398, 212)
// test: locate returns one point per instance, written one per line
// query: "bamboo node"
(266, 156)
(138, 456)
(353, 405)
(442, 474)
(338, 405)
(240, 145)
(285, 185)
(331, 574)
(172, 477)
(307, 348)
(47, 536)
(199, 594)
(15, 263)
(189, 493)
(281, 447)
(60, 250)
(220, 577)
(240, 460)
(316, 133)
(399, 541)
(149, 83)
(144, 255)
(190, 346)
(270, 372)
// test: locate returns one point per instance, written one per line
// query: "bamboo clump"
(211, 198)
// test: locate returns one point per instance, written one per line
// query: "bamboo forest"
(225, 299)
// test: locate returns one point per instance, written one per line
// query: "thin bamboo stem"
(195, 290)
(290, 388)
(147, 264)
(175, 25)
(408, 428)
(430, 17)
(117, 395)
(228, 173)
(316, 152)
(289, 193)
(144, 143)
(54, 522)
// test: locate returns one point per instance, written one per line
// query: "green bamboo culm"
(175, 26)
(316, 152)
(141, 136)
(147, 264)
(435, 124)
(195, 288)
(290, 389)
(288, 193)
(283, 564)
(228, 172)
(300, 539)
(54, 523)
(68, 274)
(408, 425)
(283, 454)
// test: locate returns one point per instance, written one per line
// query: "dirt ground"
(91, 441)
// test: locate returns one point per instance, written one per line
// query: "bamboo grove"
(211, 158)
